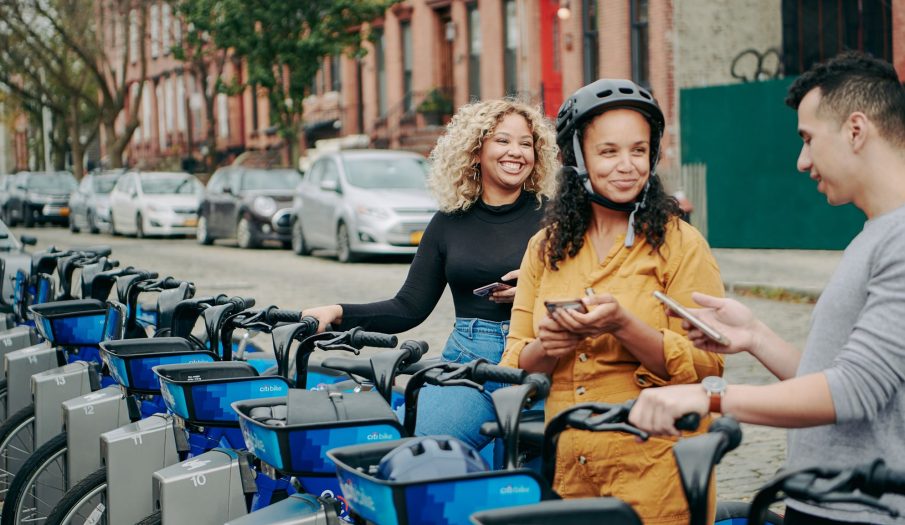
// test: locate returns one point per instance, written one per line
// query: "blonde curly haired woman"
(491, 173)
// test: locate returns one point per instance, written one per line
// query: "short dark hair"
(854, 81)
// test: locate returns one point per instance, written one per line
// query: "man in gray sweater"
(844, 396)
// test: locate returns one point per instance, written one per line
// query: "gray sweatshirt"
(857, 339)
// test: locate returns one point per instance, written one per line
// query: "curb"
(786, 294)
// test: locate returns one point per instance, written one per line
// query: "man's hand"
(727, 316)
(657, 409)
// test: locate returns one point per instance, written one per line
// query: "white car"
(155, 203)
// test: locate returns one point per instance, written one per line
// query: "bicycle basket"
(440, 501)
(83, 322)
(201, 393)
(293, 433)
(131, 361)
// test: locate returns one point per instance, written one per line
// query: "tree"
(68, 43)
(206, 22)
(284, 44)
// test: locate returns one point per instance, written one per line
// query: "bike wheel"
(16, 444)
(84, 504)
(153, 519)
(39, 485)
(2, 400)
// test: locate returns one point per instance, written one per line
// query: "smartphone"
(488, 289)
(683, 312)
(570, 304)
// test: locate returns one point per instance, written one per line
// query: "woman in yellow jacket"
(612, 236)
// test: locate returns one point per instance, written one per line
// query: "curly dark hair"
(855, 81)
(568, 215)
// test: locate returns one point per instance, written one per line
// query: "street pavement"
(275, 276)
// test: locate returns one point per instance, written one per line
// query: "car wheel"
(299, 246)
(201, 233)
(28, 218)
(113, 231)
(344, 253)
(92, 226)
(10, 219)
(139, 227)
(245, 235)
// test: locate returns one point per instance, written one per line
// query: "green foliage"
(436, 101)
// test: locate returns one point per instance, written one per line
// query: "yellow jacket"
(601, 370)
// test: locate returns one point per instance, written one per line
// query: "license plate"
(191, 221)
(415, 237)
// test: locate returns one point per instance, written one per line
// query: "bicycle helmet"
(428, 458)
(592, 100)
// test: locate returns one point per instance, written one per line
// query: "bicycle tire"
(736, 512)
(28, 478)
(15, 445)
(3, 389)
(68, 509)
(153, 519)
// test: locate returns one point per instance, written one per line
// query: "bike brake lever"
(331, 345)
(607, 417)
(861, 499)
(619, 427)
(463, 382)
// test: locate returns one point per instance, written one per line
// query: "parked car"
(39, 197)
(6, 182)
(89, 205)
(250, 204)
(155, 203)
(359, 202)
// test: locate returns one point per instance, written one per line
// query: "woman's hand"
(727, 316)
(555, 341)
(605, 315)
(506, 295)
(325, 315)
(657, 409)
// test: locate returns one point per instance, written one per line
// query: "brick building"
(541, 50)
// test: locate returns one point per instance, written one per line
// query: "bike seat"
(530, 428)
(585, 510)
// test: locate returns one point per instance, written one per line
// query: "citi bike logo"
(270, 388)
(379, 436)
(514, 489)
(357, 497)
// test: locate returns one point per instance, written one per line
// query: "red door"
(551, 61)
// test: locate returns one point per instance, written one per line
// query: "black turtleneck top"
(465, 249)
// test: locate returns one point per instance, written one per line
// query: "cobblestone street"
(274, 276)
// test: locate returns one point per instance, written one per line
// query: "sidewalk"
(801, 271)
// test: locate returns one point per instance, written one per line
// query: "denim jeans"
(456, 410)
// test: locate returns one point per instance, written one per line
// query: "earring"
(476, 174)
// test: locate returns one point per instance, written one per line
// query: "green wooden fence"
(756, 198)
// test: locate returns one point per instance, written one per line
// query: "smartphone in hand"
(684, 313)
(488, 289)
(569, 304)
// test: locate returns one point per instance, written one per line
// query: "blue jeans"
(459, 411)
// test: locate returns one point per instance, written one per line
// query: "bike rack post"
(20, 365)
(49, 390)
(16, 338)
(204, 489)
(85, 419)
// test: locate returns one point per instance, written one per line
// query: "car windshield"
(387, 173)
(104, 184)
(270, 180)
(168, 185)
(51, 181)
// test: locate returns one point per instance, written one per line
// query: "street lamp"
(564, 11)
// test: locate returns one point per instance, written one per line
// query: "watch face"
(714, 384)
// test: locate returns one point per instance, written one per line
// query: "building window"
(380, 58)
(510, 66)
(640, 55)
(133, 36)
(816, 31)
(133, 95)
(591, 41)
(222, 115)
(166, 22)
(169, 94)
(161, 115)
(180, 103)
(254, 108)
(146, 111)
(407, 64)
(336, 83)
(474, 52)
(155, 31)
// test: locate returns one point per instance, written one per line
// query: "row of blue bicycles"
(128, 398)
